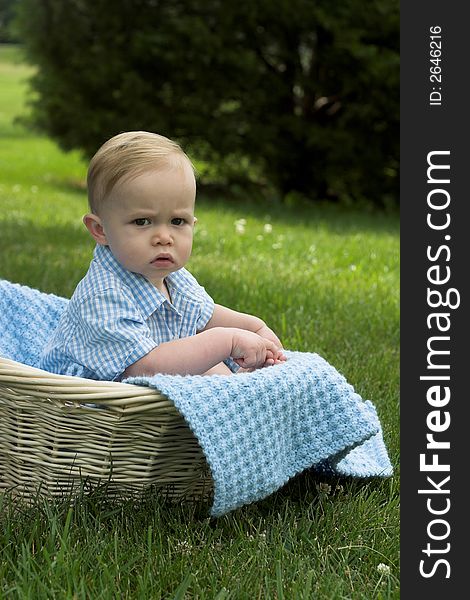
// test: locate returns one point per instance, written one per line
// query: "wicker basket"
(57, 432)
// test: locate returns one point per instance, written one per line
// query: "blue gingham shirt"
(115, 317)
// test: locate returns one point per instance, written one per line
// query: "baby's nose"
(161, 236)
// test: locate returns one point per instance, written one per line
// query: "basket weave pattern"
(57, 431)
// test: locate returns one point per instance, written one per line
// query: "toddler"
(138, 311)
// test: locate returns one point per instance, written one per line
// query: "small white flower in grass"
(268, 228)
(383, 569)
(34, 189)
(352, 267)
(16, 188)
(240, 226)
(260, 238)
(276, 246)
(183, 546)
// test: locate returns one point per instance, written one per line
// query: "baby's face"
(149, 221)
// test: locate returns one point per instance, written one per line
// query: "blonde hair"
(126, 156)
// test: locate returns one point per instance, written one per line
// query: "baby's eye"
(141, 222)
(178, 221)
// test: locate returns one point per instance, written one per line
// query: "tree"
(307, 91)
(7, 15)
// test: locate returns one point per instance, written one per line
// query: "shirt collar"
(146, 295)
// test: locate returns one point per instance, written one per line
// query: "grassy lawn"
(326, 280)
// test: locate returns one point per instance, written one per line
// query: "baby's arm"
(197, 354)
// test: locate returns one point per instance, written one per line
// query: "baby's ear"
(93, 224)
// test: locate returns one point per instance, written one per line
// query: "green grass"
(326, 279)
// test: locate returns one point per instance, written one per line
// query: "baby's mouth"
(162, 259)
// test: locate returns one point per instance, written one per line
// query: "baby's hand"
(278, 356)
(271, 359)
(251, 351)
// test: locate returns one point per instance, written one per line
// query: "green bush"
(301, 95)
(7, 15)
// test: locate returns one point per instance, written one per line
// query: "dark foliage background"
(300, 95)
(7, 18)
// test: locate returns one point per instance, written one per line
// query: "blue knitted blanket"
(257, 430)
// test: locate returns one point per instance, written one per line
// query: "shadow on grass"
(69, 185)
(54, 257)
(337, 218)
(50, 258)
(22, 242)
(308, 488)
(333, 217)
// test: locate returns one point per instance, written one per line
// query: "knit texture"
(27, 319)
(257, 430)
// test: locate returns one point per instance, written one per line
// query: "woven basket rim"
(13, 367)
(72, 388)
